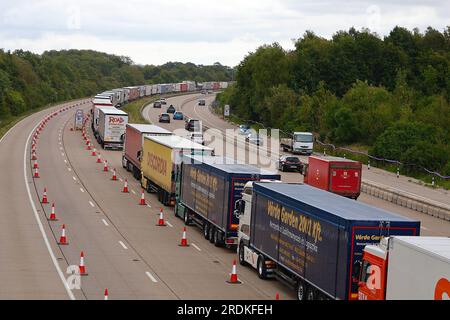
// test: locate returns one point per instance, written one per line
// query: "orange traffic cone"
(88, 142)
(89, 146)
(44, 197)
(82, 266)
(105, 167)
(142, 202)
(99, 158)
(184, 239)
(63, 239)
(35, 166)
(33, 156)
(125, 186)
(233, 276)
(53, 215)
(94, 152)
(36, 173)
(114, 176)
(106, 294)
(161, 222)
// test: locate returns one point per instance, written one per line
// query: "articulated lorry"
(406, 268)
(207, 188)
(111, 127)
(337, 175)
(300, 143)
(134, 140)
(161, 158)
(311, 239)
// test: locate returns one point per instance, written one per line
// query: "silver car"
(254, 138)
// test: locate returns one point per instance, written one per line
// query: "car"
(197, 137)
(203, 91)
(163, 101)
(157, 104)
(290, 163)
(178, 115)
(202, 102)
(164, 117)
(193, 125)
(171, 109)
(244, 129)
(254, 138)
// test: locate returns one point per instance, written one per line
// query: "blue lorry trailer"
(207, 190)
(315, 239)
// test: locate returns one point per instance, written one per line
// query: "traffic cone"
(99, 159)
(106, 294)
(142, 202)
(89, 146)
(184, 239)
(82, 266)
(94, 152)
(233, 276)
(88, 142)
(125, 186)
(277, 296)
(36, 173)
(63, 239)
(105, 167)
(33, 156)
(44, 197)
(35, 166)
(114, 176)
(161, 222)
(53, 215)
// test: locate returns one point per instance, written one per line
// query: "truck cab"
(303, 143)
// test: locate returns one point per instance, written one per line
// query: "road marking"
(69, 169)
(169, 224)
(134, 192)
(92, 205)
(424, 228)
(38, 220)
(123, 245)
(151, 277)
(65, 161)
(82, 190)
(62, 153)
(74, 178)
(149, 206)
(120, 179)
(196, 247)
(106, 223)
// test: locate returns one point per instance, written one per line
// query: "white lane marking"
(123, 245)
(62, 153)
(69, 169)
(424, 228)
(196, 247)
(65, 161)
(134, 192)
(74, 178)
(151, 277)
(41, 228)
(149, 206)
(92, 205)
(120, 179)
(105, 223)
(169, 224)
(82, 190)
(60, 148)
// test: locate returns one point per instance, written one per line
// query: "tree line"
(389, 95)
(29, 81)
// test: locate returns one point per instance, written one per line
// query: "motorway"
(124, 249)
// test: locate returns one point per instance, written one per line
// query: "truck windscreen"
(303, 138)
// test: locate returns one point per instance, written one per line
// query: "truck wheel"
(187, 220)
(311, 295)
(301, 290)
(211, 234)
(205, 229)
(217, 241)
(241, 255)
(262, 269)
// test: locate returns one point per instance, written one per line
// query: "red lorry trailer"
(337, 175)
(134, 139)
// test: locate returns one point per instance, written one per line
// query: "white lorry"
(406, 268)
(111, 128)
(300, 143)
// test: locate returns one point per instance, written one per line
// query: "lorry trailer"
(337, 175)
(111, 127)
(207, 188)
(161, 157)
(134, 139)
(309, 238)
(406, 268)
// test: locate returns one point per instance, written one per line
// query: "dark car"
(193, 125)
(171, 109)
(164, 117)
(201, 102)
(157, 104)
(289, 163)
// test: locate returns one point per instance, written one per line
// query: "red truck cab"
(337, 175)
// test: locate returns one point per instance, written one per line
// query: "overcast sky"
(199, 31)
